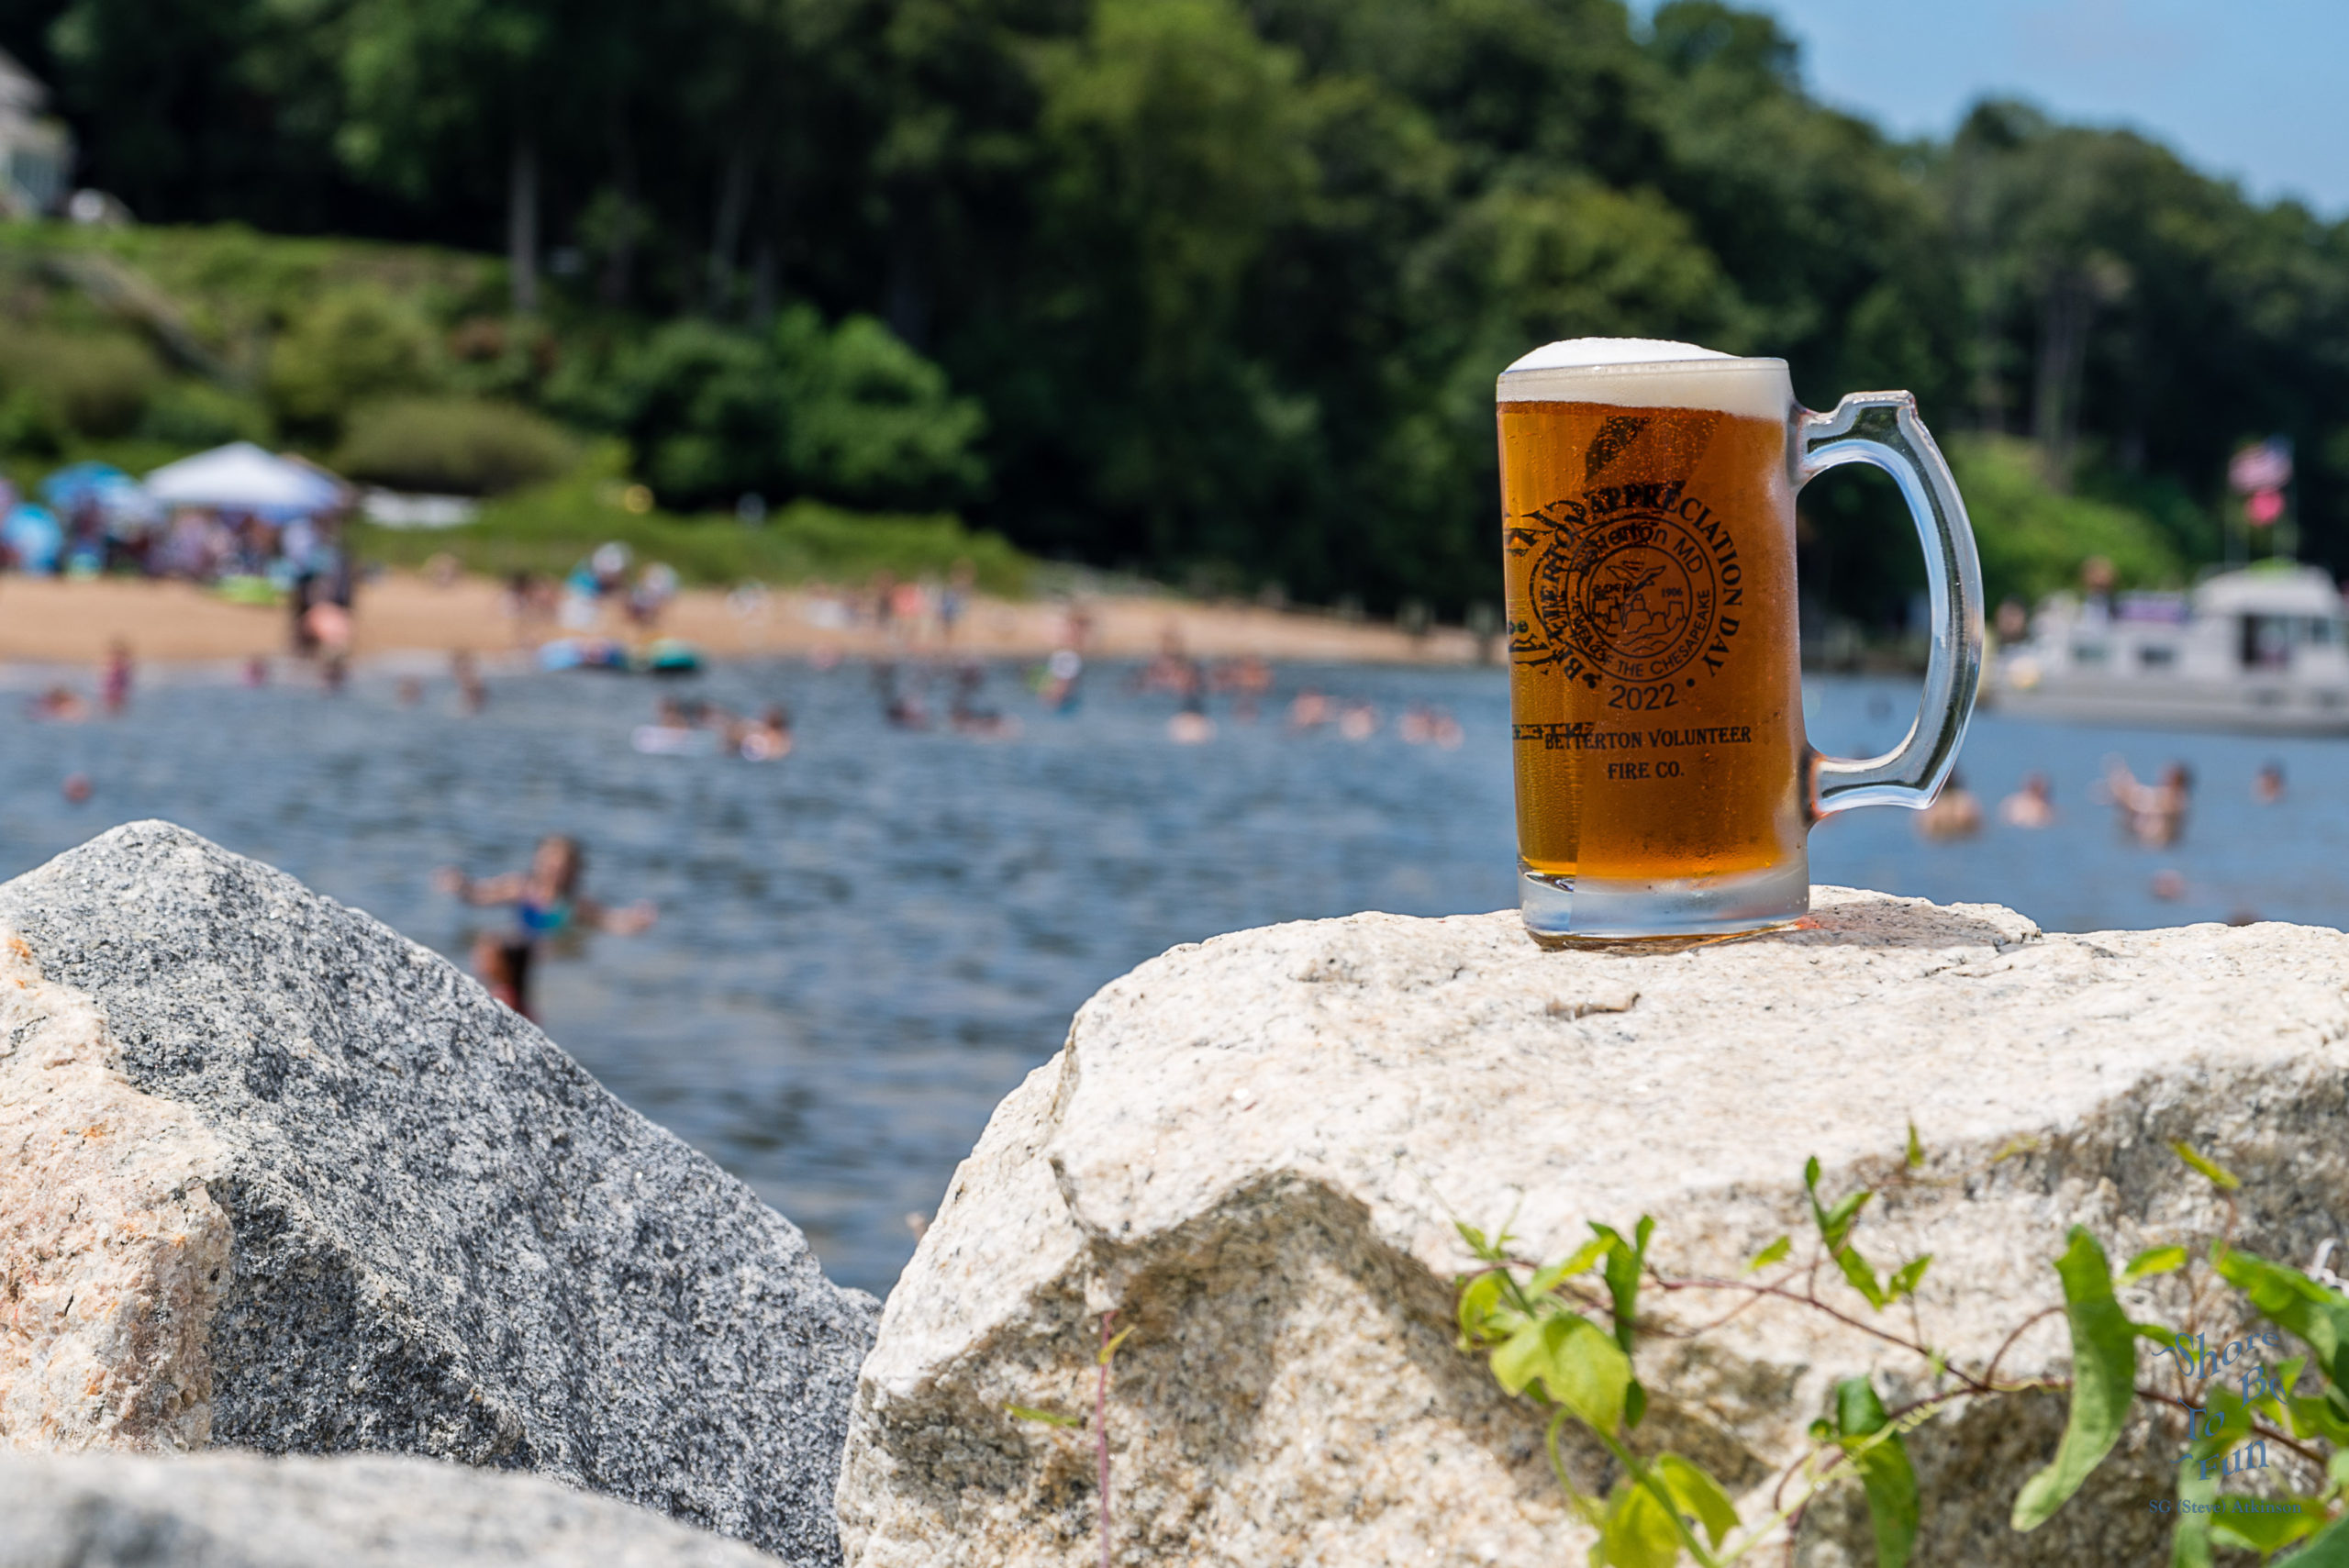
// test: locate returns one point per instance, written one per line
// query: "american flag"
(2265, 466)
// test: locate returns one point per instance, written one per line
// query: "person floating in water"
(2154, 815)
(2032, 805)
(2268, 785)
(766, 739)
(547, 903)
(114, 686)
(968, 716)
(472, 695)
(1954, 814)
(59, 704)
(903, 709)
(1056, 684)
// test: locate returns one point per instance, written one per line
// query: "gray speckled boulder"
(250, 1511)
(273, 1176)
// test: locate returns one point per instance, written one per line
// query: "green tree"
(431, 83)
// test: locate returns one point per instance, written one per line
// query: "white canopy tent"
(242, 477)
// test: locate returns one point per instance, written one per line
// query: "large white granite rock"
(273, 1176)
(1253, 1150)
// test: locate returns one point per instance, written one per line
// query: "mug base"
(1566, 909)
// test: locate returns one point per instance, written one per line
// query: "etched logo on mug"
(1627, 582)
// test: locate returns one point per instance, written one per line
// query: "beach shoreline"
(53, 621)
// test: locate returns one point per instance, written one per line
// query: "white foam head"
(1649, 372)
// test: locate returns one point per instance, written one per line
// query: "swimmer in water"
(2032, 805)
(2154, 815)
(901, 708)
(472, 695)
(764, 740)
(1056, 683)
(966, 714)
(115, 685)
(1954, 814)
(59, 704)
(547, 901)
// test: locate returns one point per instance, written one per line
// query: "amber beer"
(1657, 719)
(1664, 782)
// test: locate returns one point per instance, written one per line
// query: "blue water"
(862, 947)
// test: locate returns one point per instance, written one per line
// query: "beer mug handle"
(1882, 429)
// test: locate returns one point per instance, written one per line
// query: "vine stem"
(1644, 1478)
(1990, 1372)
(1101, 1431)
(1809, 1298)
(2257, 1429)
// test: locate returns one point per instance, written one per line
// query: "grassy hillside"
(547, 529)
(397, 365)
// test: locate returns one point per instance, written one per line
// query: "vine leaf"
(2104, 1380)
(1479, 1299)
(1699, 1495)
(1834, 1224)
(2190, 1538)
(1638, 1532)
(2218, 1174)
(2225, 1420)
(1915, 1150)
(1575, 1363)
(2265, 1533)
(2154, 1261)
(1624, 1261)
(1886, 1475)
(2329, 1549)
(1564, 1269)
(1774, 1253)
(2297, 1304)
(1911, 1273)
(1050, 1418)
(1855, 1268)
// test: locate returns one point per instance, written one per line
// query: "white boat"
(2265, 649)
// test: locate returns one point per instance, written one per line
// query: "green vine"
(1563, 1336)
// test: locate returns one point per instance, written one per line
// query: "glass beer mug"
(1665, 785)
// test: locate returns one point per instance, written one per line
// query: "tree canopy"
(1217, 288)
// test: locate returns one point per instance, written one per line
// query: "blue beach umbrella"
(33, 539)
(67, 486)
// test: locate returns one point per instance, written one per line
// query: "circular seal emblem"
(1634, 593)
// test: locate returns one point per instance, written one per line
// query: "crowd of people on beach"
(90, 519)
(915, 610)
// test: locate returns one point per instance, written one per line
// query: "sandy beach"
(51, 621)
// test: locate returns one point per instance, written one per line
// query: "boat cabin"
(2286, 622)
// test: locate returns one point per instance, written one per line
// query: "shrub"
(350, 347)
(846, 414)
(196, 414)
(870, 421)
(549, 527)
(88, 383)
(453, 444)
